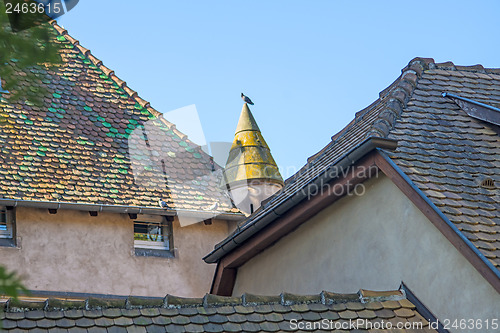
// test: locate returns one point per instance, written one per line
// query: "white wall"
(373, 241)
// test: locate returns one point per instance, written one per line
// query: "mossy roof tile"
(191, 316)
(116, 329)
(88, 107)
(125, 321)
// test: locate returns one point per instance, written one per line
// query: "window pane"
(5, 225)
(148, 231)
(152, 235)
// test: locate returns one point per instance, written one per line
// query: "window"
(7, 226)
(153, 236)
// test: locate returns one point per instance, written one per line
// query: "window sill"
(144, 252)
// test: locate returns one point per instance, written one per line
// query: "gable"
(375, 241)
(442, 158)
(448, 153)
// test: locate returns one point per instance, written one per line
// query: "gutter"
(440, 213)
(277, 206)
(119, 209)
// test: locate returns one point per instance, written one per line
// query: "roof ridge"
(449, 65)
(398, 93)
(121, 83)
(401, 90)
(27, 303)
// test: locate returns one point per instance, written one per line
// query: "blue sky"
(307, 65)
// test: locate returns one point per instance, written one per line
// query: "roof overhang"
(56, 205)
(273, 209)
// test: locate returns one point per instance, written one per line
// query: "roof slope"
(447, 153)
(94, 141)
(444, 151)
(250, 313)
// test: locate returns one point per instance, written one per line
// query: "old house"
(99, 193)
(406, 194)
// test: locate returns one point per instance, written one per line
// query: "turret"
(251, 174)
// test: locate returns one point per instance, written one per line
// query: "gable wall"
(73, 252)
(374, 241)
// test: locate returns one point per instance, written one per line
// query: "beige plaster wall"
(374, 241)
(74, 252)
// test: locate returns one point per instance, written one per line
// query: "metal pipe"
(445, 94)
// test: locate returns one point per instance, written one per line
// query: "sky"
(308, 66)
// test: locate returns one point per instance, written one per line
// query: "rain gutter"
(276, 207)
(118, 209)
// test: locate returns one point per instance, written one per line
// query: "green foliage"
(10, 284)
(23, 50)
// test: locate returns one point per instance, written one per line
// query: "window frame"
(144, 248)
(10, 218)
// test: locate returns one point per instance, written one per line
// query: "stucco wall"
(374, 241)
(74, 252)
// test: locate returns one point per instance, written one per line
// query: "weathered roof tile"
(96, 131)
(269, 316)
(441, 148)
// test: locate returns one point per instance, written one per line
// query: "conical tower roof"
(250, 157)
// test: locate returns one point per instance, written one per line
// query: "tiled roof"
(250, 157)
(95, 141)
(445, 152)
(249, 313)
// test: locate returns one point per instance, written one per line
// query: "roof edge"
(118, 209)
(398, 95)
(421, 308)
(68, 301)
(266, 216)
(401, 90)
(444, 218)
(122, 84)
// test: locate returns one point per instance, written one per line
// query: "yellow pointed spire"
(247, 121)
(250, 157)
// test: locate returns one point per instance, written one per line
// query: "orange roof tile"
(96, 141)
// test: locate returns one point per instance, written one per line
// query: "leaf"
(10, 284)
(23, 56)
